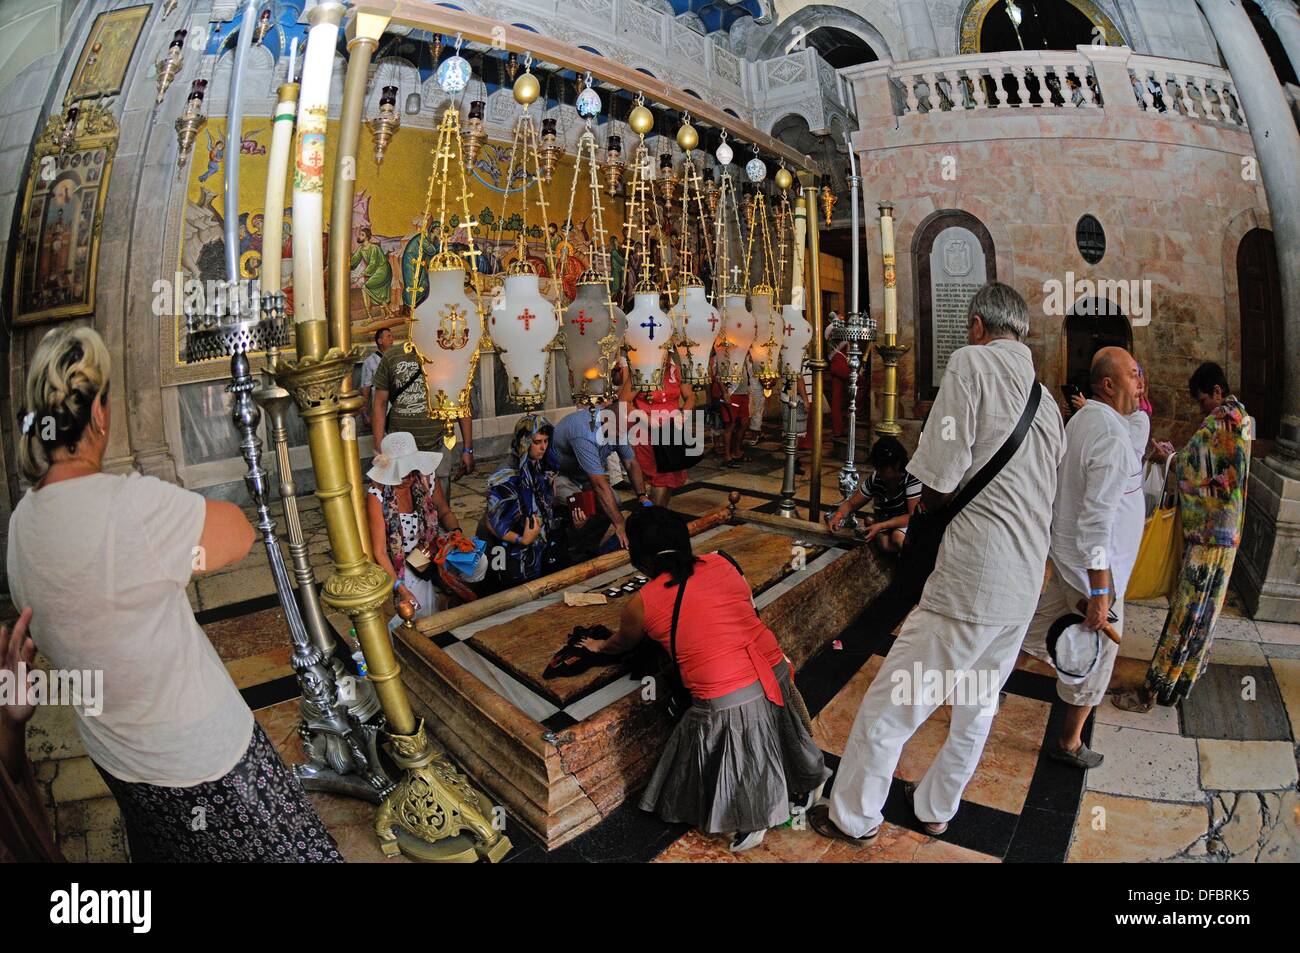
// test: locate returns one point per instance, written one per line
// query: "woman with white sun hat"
(413, 532)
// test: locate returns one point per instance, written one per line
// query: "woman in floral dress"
(1211, 475)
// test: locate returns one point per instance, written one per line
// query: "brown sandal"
(819, 819)
(933, 828)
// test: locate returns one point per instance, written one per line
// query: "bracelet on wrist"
(1099, 592)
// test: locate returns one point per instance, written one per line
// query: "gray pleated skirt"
(734, 763)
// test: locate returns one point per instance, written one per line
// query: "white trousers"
(938, 647)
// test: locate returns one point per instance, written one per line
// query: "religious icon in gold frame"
(101, 70)
(62, 214)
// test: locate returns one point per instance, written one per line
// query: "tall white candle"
(309, 163)
(887, 254)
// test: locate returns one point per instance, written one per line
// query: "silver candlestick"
(791, 448)
(275, 402)
(856, 329)
(342, 753)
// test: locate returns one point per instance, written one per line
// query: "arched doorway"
(987, 26)
(1092, 324)
(839, 47)
(1262, 355)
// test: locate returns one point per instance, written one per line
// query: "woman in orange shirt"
(742, 753)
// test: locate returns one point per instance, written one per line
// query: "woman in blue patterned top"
(893, 493)
(520, 511)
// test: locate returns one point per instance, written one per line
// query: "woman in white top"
(407, 511)
(103, 561)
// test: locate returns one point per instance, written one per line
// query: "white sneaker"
(806, 802)
(743, 840)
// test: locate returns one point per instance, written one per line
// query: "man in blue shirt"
(581, 449)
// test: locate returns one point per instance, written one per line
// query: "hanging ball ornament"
(641, 120)
(687, 137)
(724, 154)
(453, 74)
(783, 178)
(527, 89)
(756, 169)
(588, 103)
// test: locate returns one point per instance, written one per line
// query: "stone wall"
(1169, 193)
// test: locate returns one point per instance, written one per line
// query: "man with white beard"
(978, 601)
(1097, 522)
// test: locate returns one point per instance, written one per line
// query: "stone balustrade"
(1054, 80)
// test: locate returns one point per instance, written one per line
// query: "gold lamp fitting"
(783, 178)
(687, 137)
(640, 119)
(384, 126)
(527, 89)
(828, 203)
(170, 65)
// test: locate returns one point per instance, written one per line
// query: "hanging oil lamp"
(475, 132)
(190, 123)
(593, 323)
(613, 167)
(524, 323)
(738, 327)
(263, 27)
(696, 321)
(649, 331)
(828, 203)
(170, 65)
(551, 149)
(385, 125)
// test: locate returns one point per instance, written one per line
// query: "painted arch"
(972, 23)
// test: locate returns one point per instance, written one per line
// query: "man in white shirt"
(1097, 522)
(966, 630)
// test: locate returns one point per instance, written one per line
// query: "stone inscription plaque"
(957, 270)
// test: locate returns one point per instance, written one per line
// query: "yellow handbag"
(1160, 555)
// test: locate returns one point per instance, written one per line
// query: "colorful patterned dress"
(1211, 474)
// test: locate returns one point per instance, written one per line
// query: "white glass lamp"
(523, 323)
(445, 330)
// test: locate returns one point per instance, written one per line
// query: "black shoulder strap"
(727, 556)
(1005, 452)
(677, 611)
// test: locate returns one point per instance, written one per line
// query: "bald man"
(1097, 520)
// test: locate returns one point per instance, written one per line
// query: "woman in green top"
(1211, 474)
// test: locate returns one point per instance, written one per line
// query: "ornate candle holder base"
(434, 815)
(889, 353)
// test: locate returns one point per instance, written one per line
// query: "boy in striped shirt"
(893, 493)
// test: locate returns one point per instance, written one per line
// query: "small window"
(1091, 239)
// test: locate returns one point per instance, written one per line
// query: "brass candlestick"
(891, 350)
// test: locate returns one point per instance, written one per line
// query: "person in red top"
(743, 752)
(672, 398)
